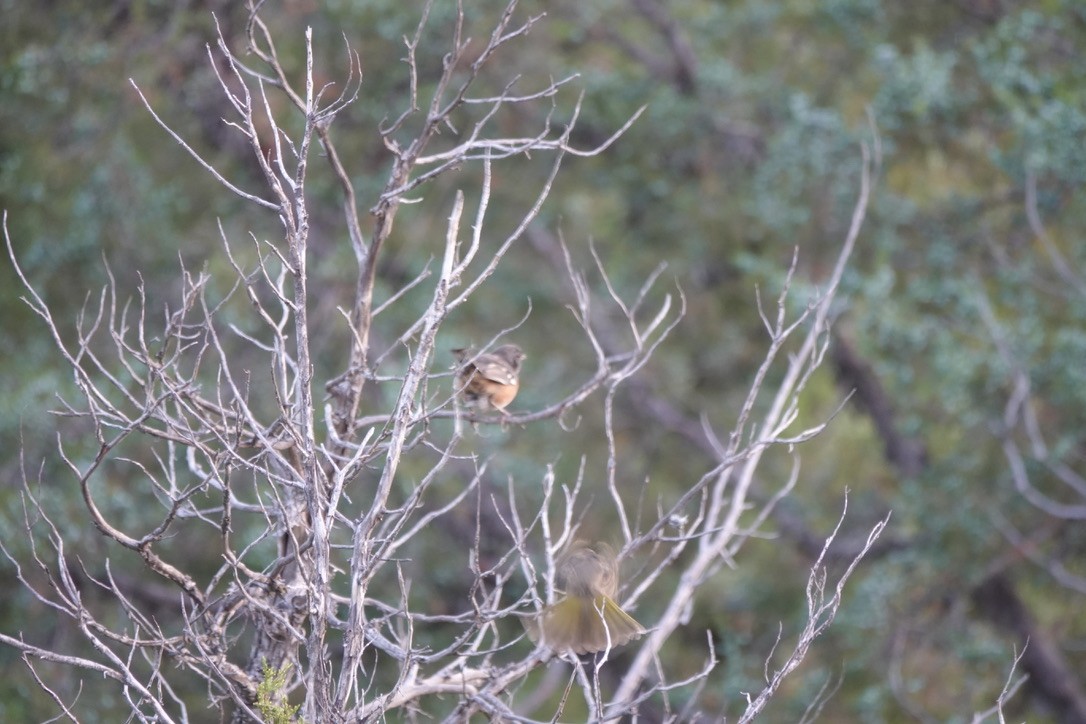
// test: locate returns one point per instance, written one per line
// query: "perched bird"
(587, 619)
(489, 381)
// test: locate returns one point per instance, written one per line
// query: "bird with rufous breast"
(488, 380)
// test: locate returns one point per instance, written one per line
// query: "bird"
(490, 380)
(587, 619)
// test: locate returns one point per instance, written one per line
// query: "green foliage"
(917, 89)
(722, 182)
(271, 696)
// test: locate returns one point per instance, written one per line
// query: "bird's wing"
(495, 369)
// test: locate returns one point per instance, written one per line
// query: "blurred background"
(960, 325)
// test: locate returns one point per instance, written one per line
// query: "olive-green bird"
(587, 619)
